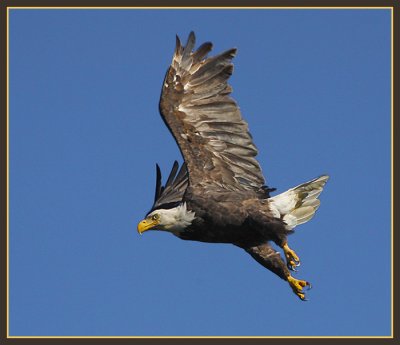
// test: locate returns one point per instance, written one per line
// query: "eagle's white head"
(173, 220)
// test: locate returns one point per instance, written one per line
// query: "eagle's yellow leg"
(297, 286)
(292, 260)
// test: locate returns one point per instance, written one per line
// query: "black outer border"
(193, 3)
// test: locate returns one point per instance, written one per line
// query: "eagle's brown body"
(215, 222)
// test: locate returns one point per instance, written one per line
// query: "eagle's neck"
(177, 218)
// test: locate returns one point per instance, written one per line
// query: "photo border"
(6, 6)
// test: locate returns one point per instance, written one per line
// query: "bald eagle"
(219, 193)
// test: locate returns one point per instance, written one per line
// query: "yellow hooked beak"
(147, 224)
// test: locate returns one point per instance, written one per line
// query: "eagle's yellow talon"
(297, 286)
(292, 265)
(292, 259)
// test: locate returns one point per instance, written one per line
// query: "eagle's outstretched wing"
(206, 122)
(171, 194)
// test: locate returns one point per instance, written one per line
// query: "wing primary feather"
(201, 52)
(191, 41)
(186, 60)
(172, 174)
(182, 174)
(178, 47)
(158, 183)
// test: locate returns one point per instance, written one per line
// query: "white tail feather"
(298, 205)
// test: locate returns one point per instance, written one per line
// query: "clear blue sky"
(85, 134)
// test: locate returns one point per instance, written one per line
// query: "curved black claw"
(292, 265)
(309, 286)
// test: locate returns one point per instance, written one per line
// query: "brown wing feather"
(206, 122)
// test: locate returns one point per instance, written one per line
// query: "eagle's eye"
(155, 217)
